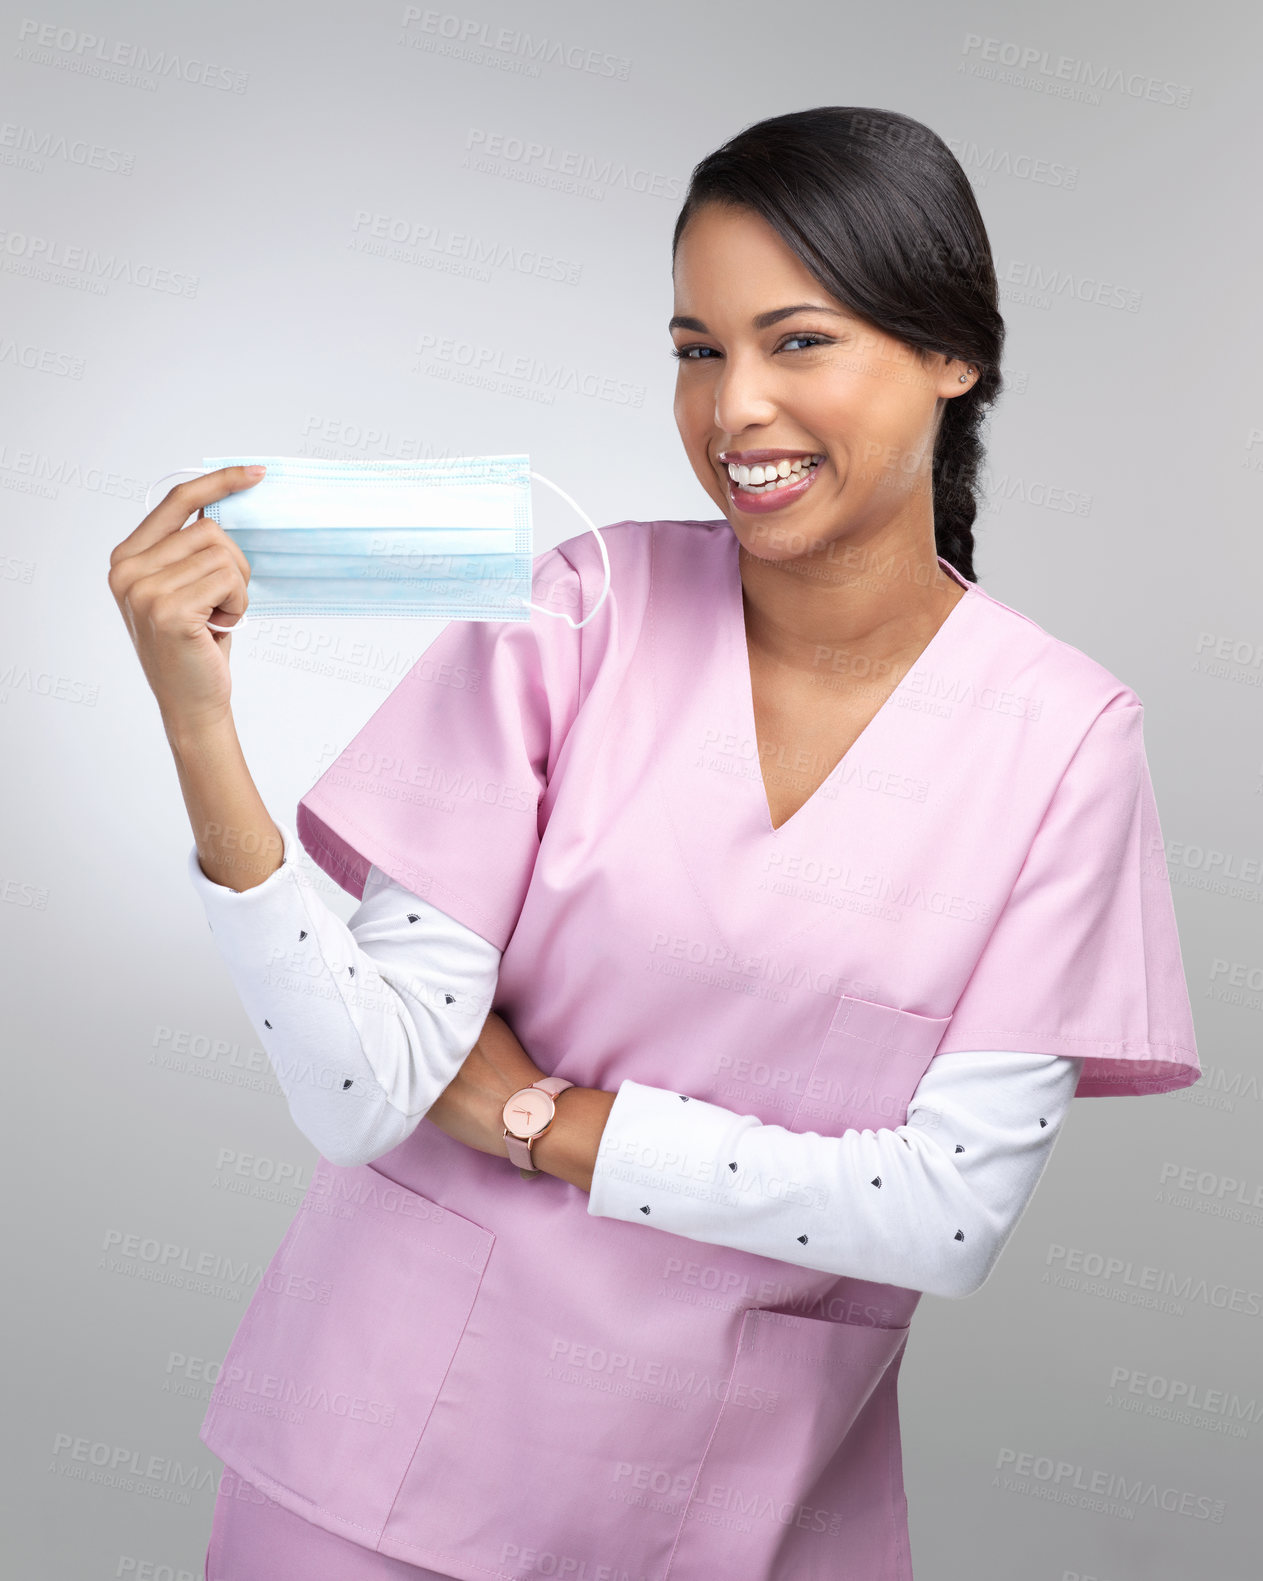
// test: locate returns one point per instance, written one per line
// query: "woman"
(823, 880)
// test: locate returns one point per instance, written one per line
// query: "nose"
(743, 395)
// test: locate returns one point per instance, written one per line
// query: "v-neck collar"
(739, 652)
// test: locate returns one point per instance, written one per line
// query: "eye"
(685, 353)
(816, 340)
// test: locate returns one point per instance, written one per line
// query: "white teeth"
(772, 474)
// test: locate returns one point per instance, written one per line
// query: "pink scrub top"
(470, 1371)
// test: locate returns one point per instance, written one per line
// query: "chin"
(773, 540)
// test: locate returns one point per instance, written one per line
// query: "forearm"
(569, 1148)
(238, 843)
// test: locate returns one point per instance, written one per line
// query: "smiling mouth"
(773, 475)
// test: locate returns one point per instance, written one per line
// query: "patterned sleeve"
(927, 1205)
(364, 1022)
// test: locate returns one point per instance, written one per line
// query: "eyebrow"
(761, 321)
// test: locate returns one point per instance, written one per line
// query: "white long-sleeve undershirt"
(366, 1022)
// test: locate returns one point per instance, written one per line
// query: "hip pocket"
(342, 1353)
(797, 1386)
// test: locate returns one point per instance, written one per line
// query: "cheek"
(837, 400)
(693, 422)
(871, 415)
(691, 408)
(680, 408)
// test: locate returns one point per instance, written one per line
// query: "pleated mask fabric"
(428, 539)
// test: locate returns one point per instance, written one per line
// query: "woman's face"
(814, 382)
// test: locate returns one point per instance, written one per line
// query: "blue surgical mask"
(445, 540)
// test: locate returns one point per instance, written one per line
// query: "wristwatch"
(527, 1116)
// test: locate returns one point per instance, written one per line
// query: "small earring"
(964, 378)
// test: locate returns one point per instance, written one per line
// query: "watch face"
(528, 1112)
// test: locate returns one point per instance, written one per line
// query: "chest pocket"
(866, 1069)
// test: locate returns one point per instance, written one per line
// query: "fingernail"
(256, 472)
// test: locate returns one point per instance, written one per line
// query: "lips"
(759, 501)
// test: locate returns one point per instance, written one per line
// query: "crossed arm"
(374, 1024)
(470, 1107)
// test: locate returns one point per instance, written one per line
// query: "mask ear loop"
(201, 471)
(560, 614)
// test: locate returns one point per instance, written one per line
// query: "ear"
(957, 378)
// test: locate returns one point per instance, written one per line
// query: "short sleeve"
(1084, 956)
(441, 789)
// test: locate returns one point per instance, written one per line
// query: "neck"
(878, 600)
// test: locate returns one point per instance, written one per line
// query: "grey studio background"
(382, 230)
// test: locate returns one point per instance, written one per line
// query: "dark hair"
(880, 211)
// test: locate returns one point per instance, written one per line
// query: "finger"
(181, 597)
(234, 548)
(187, 546)
(219, 596)
(201, 533)
(178, 504)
